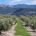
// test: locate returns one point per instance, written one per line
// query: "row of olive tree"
(26, 20)
(33, 22)
(29, 20)
(5, 24)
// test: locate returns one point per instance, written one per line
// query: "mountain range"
(19, 9)
(24, 6)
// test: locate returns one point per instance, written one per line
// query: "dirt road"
(30, 31)
(11, 32)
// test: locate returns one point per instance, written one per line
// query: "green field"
(20, 31)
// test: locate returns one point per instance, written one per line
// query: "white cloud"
(13, 2)
(17, 0)
(21, 2)
(34, 2)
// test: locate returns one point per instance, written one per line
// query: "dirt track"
(30, 31)
(11, 32)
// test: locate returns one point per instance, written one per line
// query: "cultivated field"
(11, 25)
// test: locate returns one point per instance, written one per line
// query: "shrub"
(5, 25)
(33, 24)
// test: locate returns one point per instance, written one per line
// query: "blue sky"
(13, 2)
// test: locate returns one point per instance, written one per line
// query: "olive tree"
(23, 18)
(27, 21)
(4, 25)
(33, 24)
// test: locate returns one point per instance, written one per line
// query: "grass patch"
(20, 31)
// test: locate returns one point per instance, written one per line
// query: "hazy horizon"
(14, 2)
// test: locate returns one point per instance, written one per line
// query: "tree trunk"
(0, 32)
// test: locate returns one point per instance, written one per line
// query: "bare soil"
(11, 32)
(30, 31)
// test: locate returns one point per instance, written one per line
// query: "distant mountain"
(24, 6)
(20, 9)
(33, 6)
(21, 6)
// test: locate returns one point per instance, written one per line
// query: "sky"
(14, 2)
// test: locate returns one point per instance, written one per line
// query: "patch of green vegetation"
(20, 31)
(6, 22)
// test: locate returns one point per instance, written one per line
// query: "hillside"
(20, 9)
